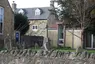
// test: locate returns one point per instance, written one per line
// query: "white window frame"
(34, 27)
(21, 11)
(2, 14)
(37, 12)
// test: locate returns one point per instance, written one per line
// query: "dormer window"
(37, 11)
(1, 18)
(21, 11)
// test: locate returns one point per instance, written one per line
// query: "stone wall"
(52, 57)
(8, 23)
(41, 28)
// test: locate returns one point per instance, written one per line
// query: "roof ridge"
(33, 7)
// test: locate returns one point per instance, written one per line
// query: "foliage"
(91, 16)
(2, 49)
(62, 48)
(73, 13)
(21, 23)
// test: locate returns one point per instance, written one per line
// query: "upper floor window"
(21, 11)
(37, 12)
(1, 18)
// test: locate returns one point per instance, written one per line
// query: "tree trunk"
(64, 35)
(73, 38)
(82, 29)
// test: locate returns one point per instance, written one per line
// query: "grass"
(65, 50)
(35, 48)
(62, 49)
(72, 50)
(68, 49)
(2, 49)
(91, 51)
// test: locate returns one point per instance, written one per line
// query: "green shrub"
(62, 48)
(2, 49)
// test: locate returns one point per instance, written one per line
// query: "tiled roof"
(30, 13)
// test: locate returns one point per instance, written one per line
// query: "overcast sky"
(31, 3)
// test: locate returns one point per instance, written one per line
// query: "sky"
(31, 3)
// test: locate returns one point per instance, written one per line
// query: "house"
(37, 19)
(40, 18)
(6, 24)
(40, 22)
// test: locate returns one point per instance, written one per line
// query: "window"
(34, 27)
(1, 18)
(21, 11)
(37, 12)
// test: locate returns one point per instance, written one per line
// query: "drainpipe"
(64, 35)
(47, 30)
(73, 39)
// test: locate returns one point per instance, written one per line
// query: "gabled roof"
(30, 13)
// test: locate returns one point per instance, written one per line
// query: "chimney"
(52, 4)
(14, 6)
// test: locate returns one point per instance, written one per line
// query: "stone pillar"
(8, 42)
(45, 42)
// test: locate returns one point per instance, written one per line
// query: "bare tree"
(74, 14)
